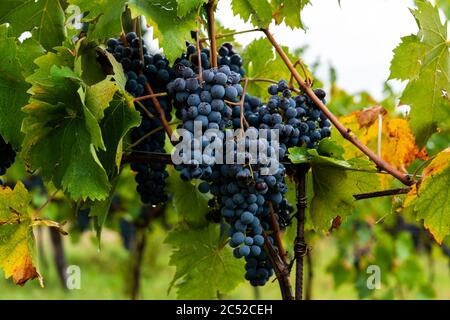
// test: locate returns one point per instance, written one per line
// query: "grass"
(104, 274)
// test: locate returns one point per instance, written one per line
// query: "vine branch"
(277, 234)
(383, 193)
(150, 96)
(281, 270)
(241, 106)
(199, 56)
(160, 110)
(229, 34)
(269, 81)
(346, 133)
(210, 8)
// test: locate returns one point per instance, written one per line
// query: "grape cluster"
(203, 104)
(243, 197)
(298, 119)
(7, 156)
(227, 57)
(153, 70)
(230, 58)
(254, 112)
(240, 192)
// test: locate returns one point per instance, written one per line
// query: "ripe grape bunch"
(153, 70)
(240, 192)
(299, 121)
(7, 156)
(204, 104)
(227, 57)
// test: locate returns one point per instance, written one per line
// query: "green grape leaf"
(27, 52)
(288, 11)
(100, 209)
(261, 61)
(258, 12)
(119, 119)
(204, 263)
(105, 21)
(334, 187)
(424, 61)
(190, 204)
(104, 17)
(86, 64)
(430, 200)
(44, 18)
(159, 15)
(341, 271)
(99, 96)
(184, 7)
(62, 136)
(330, 148)
(411, 50)
(119, 74)
(334, 183)
(16, 235)
(410, 273)
(444, 5)
(17, 63)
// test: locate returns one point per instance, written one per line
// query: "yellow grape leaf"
(398, 146)
(16, 235)
(430, 199)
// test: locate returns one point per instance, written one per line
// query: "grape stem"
(346, 133)
(270, 81)
(150, 92)
(383, 193)
(241, 107)
(145, 136)
(210, 8)
(161, 94)
(277, 233)
(229, 34)
(300, 247)
(199, 57)
(147, 112)
(307, 79)
(124, 40)
(47, 202)
(158, 108)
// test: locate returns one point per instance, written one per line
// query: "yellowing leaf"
(398, 145)
(430, 200)
(16, 235)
